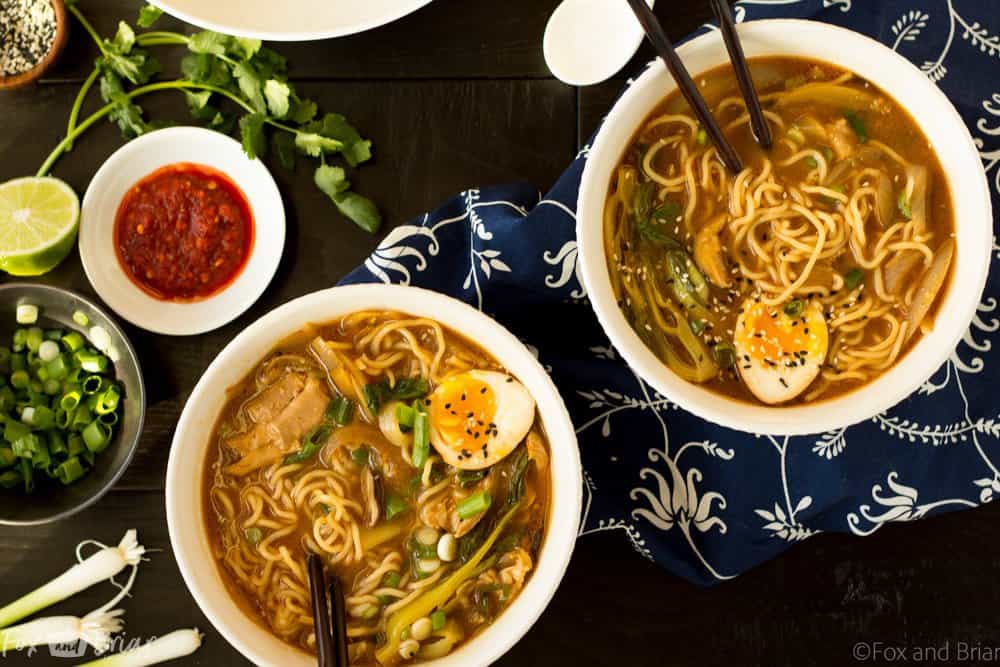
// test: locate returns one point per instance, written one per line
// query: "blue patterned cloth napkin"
(705, 502)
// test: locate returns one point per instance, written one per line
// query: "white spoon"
(589, 41)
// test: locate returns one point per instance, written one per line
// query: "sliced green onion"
(9, 479)
(438, 620)
(405, 415)
(57, 368)
(7, 457)
(474, 505)
(794, 307)
(96, 436)
(904, 206)
(254, 535)
(853, 278)
(70, 470)
(857, 124)
(394, 506)
(81, 418)
(311, 447)
(701, 137)
(421, 439)
(811, 161)
(725, 355)
(109, 418)
(391, 580)
(361, 455)
(73, 340)
(81, 318)
(108, 400)
(52, 387)
(100, 337)
(27, 314)
(341, 410)
(20, 379)
(34, 338)
(70, 399)
(92, 384)
(92, 363)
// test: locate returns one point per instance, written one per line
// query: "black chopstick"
(758, 123)
(660, 41)
(339, 621)
(326, 649)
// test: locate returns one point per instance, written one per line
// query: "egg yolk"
(463, 412)
(774, 336)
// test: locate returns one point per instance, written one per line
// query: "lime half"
(38, 222)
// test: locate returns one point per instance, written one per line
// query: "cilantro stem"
(162, 34)
(86, 25)
(64, 145)
(72, 134)
(74, 114)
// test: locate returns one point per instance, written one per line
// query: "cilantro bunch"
(228, 82)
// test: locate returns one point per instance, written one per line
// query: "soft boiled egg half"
(780, 350)
(479, 417)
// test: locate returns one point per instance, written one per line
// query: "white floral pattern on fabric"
(705, 502)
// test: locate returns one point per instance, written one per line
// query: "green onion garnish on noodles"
(474, 505)
(421, 436)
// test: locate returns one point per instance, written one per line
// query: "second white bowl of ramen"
(184, 488)
(949, 139)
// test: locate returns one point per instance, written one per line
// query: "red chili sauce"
(184, 232)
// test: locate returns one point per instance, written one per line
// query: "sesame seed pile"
(27, 32)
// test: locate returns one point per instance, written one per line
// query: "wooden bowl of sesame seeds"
(32, 35)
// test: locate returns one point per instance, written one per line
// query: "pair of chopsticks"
(329, 616)
(660, 41)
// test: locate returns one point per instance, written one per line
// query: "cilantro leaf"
(208, 41)
(252, 134)
(284, 146)
(302, 111)
(198, 104)
(250, 85)
(205, 68)
(223, 121)
(128, 116)
(277, 94)
(360, 210)
(315, 145)
(269, 63)
(332, 181)
(334, 126)
(136, 66)
(148, 15)
(244, 47)
(124, 39)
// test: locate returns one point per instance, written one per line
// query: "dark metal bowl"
(52, 501)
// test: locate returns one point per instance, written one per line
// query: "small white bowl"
(949, 138)
(185, 505)
(133, 162)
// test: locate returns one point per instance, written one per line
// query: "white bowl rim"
(205, 147)
(187, 535)
(289, 35)
(819, 41)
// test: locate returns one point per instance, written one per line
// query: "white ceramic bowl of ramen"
(184, 486)
(949, 139)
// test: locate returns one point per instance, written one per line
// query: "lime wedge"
(38, 222)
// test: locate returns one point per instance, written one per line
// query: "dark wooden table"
(458, 95)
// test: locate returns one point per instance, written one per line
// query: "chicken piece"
(268, 403)
(278, 429)
(514, 568)
(442, 513)
(843, 140)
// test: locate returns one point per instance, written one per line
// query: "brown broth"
(525, 531)
(886, 121)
